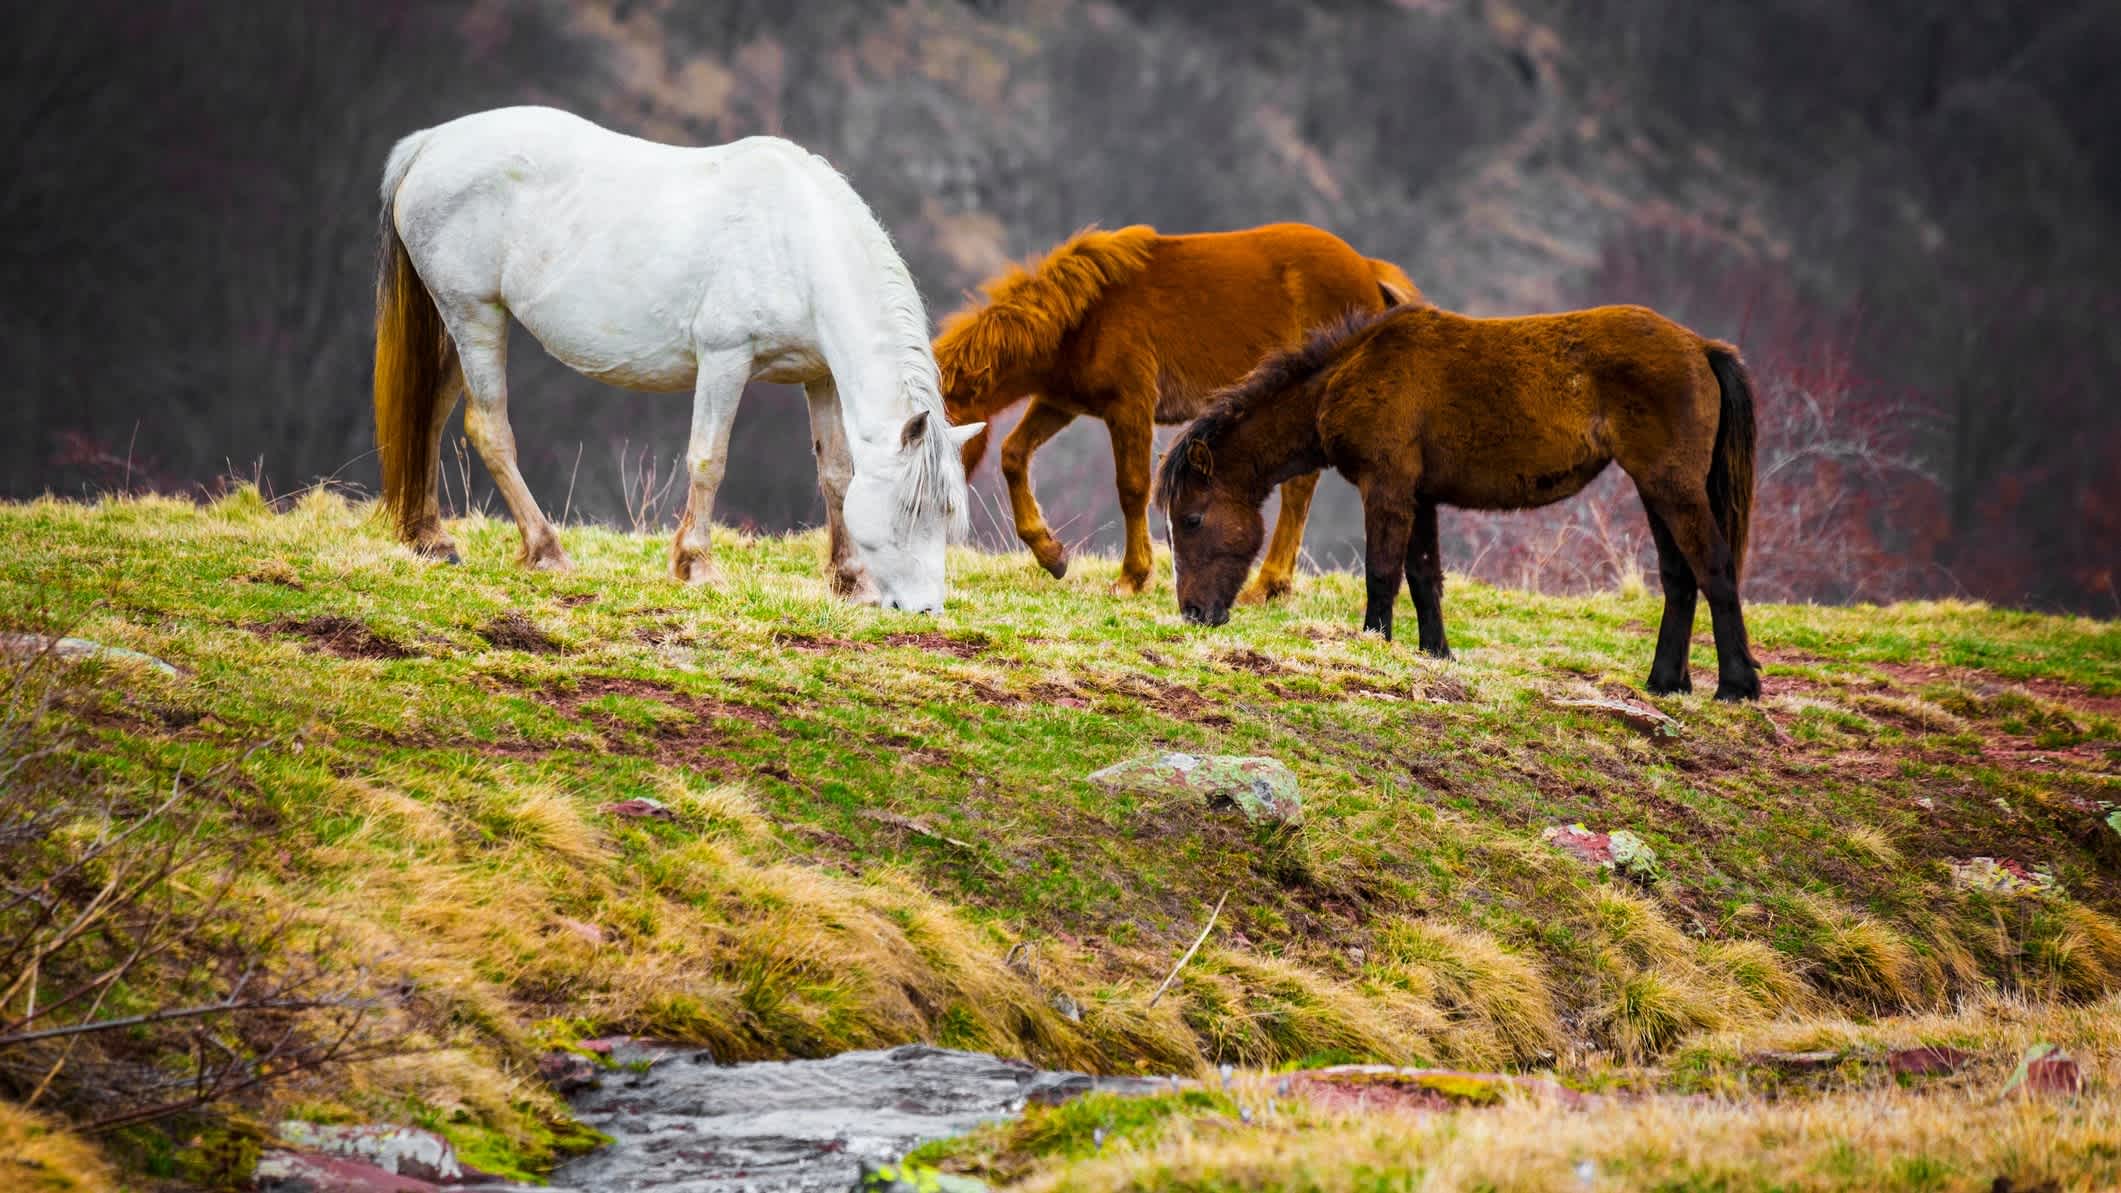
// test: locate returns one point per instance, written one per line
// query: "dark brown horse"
(1419, 407)
(1138, 328)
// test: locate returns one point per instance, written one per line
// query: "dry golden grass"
(1861, 958)
(1874, 843)
(38, 1157)
(1501, 1009)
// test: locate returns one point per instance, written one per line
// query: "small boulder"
(639, 808)
(1263, 789)
(401, 1151)
(1927, 1061)
(2046, 1069)
(78, 649)
(1619, 850)
(567, 1072)
(1797, 1062)
(2000, 876)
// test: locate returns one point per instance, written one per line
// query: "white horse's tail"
(414, 360)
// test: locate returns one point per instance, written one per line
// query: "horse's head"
(905, 503)
(1215, 531)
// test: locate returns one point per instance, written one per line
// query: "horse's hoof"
(1128, 585)
(438, 552)
(1662, 686)
(1748, 690)
(855, 586)
(1438, 652)
(1260, 592)
(697, 573)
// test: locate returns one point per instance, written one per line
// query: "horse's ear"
(915, 432)
(1200, 459)
(960, 436)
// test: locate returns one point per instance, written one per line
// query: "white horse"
(662, 268)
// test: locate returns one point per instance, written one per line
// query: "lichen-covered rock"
(402, 1151)
(1262, 789)
(81, 649)
(1619, 850)
(2000, 876)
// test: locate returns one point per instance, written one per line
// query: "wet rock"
(568, 1072)
(2000, 876)
(1927, 1061)
(80, 649)
(684, 1123)
(295, 1172)
(1641, 717)
(1619, 850)
(399, 1151)
(1263, 789)
(639, 808)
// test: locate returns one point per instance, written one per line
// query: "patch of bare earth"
(514, 631)
(337, 635)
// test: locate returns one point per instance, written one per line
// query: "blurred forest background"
(1908, 214)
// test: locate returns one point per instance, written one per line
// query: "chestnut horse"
(1138, 329)
(1418, 408)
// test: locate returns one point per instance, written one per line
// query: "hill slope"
(877, 828)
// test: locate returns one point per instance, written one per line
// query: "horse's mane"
(1194, 449)
(934, 483)
(1031, 307)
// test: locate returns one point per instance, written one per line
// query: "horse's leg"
(1040, 423)
(428, 537)
(1425, 579)
(481, 333)
(716, 389)
(1669, 671)
(1133, 455)
(1276, 570)
(1686, 513)
(835, 468)
(1387, 525)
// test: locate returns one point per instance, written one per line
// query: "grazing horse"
(1139, 329)
(1419, 407)
(661, 268)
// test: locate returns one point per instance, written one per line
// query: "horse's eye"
(1191, 522)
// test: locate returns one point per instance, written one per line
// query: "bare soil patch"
(514, 631)
(338, 635)
(941, 643)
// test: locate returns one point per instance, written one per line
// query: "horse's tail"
(413, 359)
(1731, 467)
(1393, 283)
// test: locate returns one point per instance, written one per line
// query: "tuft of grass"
(1859, 957)
(1499, 1002)
(40, 1156)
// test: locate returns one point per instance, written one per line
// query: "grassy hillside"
(879, 828)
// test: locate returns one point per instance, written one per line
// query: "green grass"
(882, 831)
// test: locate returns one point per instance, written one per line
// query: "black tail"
(1731, 468)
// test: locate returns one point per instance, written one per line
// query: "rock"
(2000, 876)
(639, 807)
(296, 1172)
(567, 1072)
(399, 1151)
(1927, 1061)
(1262, 789)
(1618, 850)
(1636, 716)
(2046, 1069)
(1797, 1062)
(81, 648)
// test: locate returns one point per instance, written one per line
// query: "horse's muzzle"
(1203, 615)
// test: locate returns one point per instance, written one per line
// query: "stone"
(1926, 1061)
(400, 1151)
(1642, 717)
(1797, 1062)
(1262, 789)
(1619, 850)
(2046, 1069)
(2000, 876)
(567, 1072)
(78, 649)
(639, 807)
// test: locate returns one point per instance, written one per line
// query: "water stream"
(688, 1125)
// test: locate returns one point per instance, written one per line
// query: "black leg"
(1385, 528)
(1693, 528)
(1669, 670)
(1425, 579)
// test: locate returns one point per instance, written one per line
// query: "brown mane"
(1194, 449)
(1032, 307)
